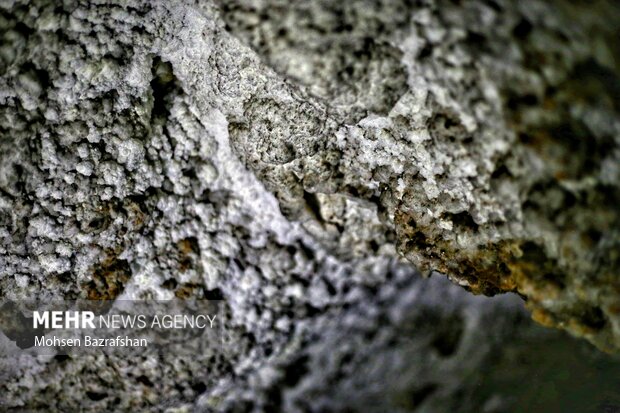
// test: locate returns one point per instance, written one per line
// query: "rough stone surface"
(285, 157)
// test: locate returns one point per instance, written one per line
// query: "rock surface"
(285, 158)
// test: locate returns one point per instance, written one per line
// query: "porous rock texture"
(298, 160)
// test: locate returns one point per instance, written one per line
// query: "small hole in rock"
(96, 396)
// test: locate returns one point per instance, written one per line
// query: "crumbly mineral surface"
(300, 160)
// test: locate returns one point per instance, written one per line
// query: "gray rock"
(300, 161)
